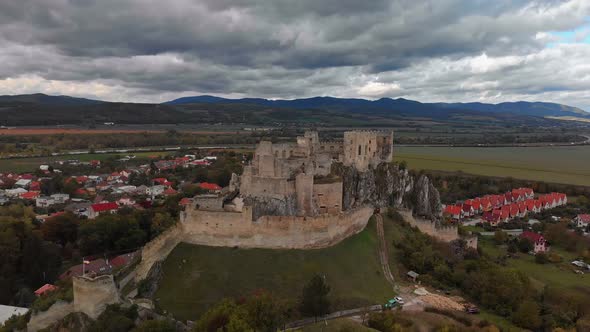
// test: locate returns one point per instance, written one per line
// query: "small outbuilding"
(413, 275)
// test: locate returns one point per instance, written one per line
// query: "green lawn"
(558, 275)
(559, 164)
(195, 277)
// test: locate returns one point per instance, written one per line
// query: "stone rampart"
(442, 233)
(158, 249)
(230, 229)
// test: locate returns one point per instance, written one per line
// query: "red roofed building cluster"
(500, 208)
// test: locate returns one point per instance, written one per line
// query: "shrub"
(541, 258)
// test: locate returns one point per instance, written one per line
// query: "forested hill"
(400, 105)
(40, 109)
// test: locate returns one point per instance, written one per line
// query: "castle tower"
(367, 148)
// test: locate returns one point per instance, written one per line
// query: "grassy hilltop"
(195, 277)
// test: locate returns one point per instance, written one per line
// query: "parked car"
(471, 309)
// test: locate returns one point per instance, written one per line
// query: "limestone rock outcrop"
(272, 206)
(388, 185)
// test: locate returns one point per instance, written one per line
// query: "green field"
(558, 164)
(21, 165)
(195, 277)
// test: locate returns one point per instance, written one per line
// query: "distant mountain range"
(400, 105)
(40, 109)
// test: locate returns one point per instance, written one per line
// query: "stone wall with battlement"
(441, 233)
(230, 229)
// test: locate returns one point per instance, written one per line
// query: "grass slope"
(550, 164)
(196, 277)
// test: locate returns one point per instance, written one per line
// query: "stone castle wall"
(92, 295)
(214, 228)
(441, 233)
(367, 148)
(158, 249)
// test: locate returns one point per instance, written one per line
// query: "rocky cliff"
(388, 185)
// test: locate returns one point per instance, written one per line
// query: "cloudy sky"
(428, 50)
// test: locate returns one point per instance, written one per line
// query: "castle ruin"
(298, 173)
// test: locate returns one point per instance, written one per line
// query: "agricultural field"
(31, 164)
(195, 277)
(555, 164)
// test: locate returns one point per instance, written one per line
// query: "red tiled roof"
(467, 207)
(209, 186)
(170, 191)
(185, 201)
(535, 237)
(100, 207)
(122, 260)
(160, 180)
(30, 195)
(44, 289)
(585, 218)
(453, 210)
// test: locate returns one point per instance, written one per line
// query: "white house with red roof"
(582, 220)
(540, 245)
(102, 208)
(453, 211)
(212, 187)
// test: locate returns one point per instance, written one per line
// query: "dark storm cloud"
(271, 48)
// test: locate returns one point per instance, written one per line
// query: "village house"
(156, 190)
(126, 201)
(60, 198)
(102, 208)
(47, 288)
(453, 211)
(210, 187)
(582, 221)
(540, 245)
(44, 201)
(23, 183)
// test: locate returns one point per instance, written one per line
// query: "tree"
(525, 245)
(61, 229)
(541, 258)
(500, 237)
(265, 313)
(225, 316)
(314, 299)
(528, 315)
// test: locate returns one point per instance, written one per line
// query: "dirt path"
(383, 254)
